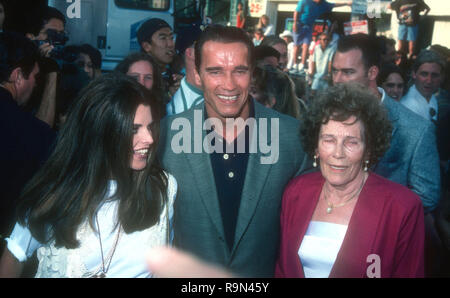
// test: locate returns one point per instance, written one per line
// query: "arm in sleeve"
(21, 243)
(424, 174)
(280, 270)
(409, 252)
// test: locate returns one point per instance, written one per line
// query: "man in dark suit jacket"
(26, 140)
(228, 205)
(412, 159)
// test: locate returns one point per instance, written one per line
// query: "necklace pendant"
(329, 209)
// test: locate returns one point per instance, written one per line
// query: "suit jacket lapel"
(392, 110)
(393, 116)
(200, 164)
(361, 234)
(255, 179)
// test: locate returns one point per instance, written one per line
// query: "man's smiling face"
(225, 76)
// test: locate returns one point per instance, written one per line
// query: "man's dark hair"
(272, 40)
(370, 49)
(44, 17)
(428, 56)
(148, 28)
(383, 42)
(262, 52)
(224, 35)
(386, 71)
(53, 13)
(16, 51)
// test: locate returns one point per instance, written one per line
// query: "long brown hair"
(95, 146)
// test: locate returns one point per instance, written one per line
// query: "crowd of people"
(94, 183)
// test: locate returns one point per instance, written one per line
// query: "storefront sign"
(257, 7)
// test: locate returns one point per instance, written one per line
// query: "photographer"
(49, 35)
(155, 36)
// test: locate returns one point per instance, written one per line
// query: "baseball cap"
(149, 27)
(186, 37)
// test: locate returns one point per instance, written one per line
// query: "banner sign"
(356, 27)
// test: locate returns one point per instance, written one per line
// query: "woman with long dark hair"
(101, 201)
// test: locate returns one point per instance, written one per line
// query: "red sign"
(356, 27)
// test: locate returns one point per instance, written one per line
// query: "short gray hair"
(429, 56)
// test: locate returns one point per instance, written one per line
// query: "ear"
(373, 73)
(198, 80)
(16, 75)
(414, 75)
(30, 36)
(272, 101)
(146, 46)
(190, 53)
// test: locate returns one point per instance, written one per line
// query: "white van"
(111, 25)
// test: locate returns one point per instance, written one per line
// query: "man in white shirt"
(427, 74)
(189, 94)
(321, 65)
(287, 37)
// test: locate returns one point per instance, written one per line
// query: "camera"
(57, 40)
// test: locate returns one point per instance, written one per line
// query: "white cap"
(286, 33)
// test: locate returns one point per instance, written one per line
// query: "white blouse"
(128, 259)
(320, 247)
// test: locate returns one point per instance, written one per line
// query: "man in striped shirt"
(189, 94)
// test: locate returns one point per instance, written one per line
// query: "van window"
(144, 4)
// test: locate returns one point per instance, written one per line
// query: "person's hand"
(176, 78)
(309, 78)
(167, 262)
(45, 49)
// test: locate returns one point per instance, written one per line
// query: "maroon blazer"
(388, 220)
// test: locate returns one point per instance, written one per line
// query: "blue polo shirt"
(310, 10)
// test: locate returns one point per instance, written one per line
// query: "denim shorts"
(408, 33)
(303, 34)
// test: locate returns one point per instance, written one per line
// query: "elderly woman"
(345, 221)
(101, 200)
